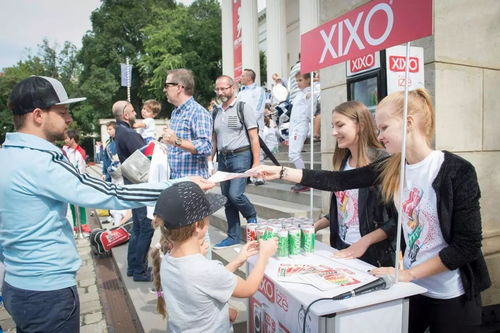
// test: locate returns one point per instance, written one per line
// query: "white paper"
(221, 176)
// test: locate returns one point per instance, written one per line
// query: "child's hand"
(249, 249)
(204, 247)
(267, 248)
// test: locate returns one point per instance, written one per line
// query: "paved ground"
(91, 313)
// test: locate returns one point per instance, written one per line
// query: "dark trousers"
(140, 240)
(456, 315)
(55, 311)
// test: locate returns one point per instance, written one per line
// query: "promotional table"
(279, 307)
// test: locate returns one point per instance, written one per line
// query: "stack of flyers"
(320, 276)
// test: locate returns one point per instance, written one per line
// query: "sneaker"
(299, 188)
(259, 181)
(226, 243)
(130, 273)
(146, 277)
(252, 220)
(317, 139)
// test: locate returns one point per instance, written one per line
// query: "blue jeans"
(140, 240)
(234, 190)
(56, 311)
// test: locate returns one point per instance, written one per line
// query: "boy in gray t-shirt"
(196, 290)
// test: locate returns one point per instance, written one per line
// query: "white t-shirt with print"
(347, 213)
(196, 292)
(149, 130)
(421, 227)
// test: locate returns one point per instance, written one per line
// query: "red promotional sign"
(374, 26)
(237, 39)
(397, 64)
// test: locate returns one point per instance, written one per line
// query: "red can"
(251, 232)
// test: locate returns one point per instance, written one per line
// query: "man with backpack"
(236, 141)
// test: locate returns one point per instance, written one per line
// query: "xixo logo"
(360, 32)
(398, 64)
(362, 63)
(267, 289)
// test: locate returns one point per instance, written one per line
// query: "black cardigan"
(457, 192)
(373, 214)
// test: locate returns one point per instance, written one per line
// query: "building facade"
(462, 72)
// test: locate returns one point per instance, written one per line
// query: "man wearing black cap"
(37, 184)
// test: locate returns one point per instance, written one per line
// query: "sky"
(25, 23)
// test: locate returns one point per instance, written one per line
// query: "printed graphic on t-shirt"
(420, 224)
(347, 208)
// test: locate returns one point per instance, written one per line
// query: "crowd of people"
(441, 221)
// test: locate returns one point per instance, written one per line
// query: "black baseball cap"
(38, 92)
(185, 203)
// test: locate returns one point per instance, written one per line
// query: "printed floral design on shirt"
(420, 223)
(347, 203)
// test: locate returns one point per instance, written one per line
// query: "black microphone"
(383, 282)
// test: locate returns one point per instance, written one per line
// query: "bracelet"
(282, 172)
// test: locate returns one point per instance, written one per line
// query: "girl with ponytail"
(441, 217)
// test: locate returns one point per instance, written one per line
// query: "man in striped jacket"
(36, 185)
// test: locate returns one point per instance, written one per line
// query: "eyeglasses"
(216, 90)
(170, 84)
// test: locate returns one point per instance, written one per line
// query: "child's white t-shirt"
(149, 130)
(196, 292)
(421, 227)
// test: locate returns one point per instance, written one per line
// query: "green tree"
(187, 37)
(48, 62)
(116, 34)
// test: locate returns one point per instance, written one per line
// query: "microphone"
(383, 282)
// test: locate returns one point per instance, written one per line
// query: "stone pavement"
(91, 312)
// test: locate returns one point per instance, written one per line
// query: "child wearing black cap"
(196, 290)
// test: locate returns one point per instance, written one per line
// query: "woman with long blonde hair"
(361, 224)
(441, 217)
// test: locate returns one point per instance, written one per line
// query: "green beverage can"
(309, 239)
(260, 232)
(282, 244)
(294, 237)
(271, 231)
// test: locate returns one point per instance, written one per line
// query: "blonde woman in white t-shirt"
(441, 215)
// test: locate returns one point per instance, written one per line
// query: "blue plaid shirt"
(190, 121)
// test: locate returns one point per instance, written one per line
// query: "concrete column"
(227, 38)
(276, 39)
(250, 37)
(309, 15)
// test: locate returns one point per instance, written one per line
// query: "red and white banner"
(374, 26)
(396, 66)
(237, 40)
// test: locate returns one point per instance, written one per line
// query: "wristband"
(282, 172)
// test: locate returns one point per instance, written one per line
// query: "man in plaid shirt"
(190, 134)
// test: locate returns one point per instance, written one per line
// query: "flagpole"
(128, 79)
(311, 140)
(402, 168)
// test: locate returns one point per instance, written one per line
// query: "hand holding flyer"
(221, 176)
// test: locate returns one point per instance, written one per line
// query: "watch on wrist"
(178, 141)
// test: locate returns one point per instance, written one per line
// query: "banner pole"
(128, 80)
(402, 168)
(311, 140)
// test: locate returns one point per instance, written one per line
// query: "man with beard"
(127, 142)
(238, 150)
(37, 183)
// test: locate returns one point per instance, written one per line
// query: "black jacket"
(372, 214)
(457, 192)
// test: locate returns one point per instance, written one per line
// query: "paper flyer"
(322, 277)
(221, 176)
